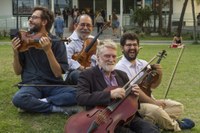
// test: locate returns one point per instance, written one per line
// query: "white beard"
(108, 67)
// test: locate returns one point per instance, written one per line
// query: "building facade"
(9, 10)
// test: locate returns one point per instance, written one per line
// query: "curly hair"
(46, 15)
(128, 36)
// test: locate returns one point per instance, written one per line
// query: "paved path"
(107, 34)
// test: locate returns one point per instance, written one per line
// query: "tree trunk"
(160, 25)
(154, 14)
(170, 17)
(194, 23)
(179, 29)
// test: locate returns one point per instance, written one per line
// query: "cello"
(106, 119)
(89, 49)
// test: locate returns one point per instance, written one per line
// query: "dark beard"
(128, 57)
(35, 29)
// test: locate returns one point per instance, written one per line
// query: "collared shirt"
(75, 46)
(131, 69)
(110, 81)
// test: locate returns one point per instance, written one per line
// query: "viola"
(31, 40)
(89, 49)
(150, 76)
(104, 119)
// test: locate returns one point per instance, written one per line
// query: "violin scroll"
(151, 75)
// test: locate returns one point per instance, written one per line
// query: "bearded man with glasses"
(77, 44)
(41, 70)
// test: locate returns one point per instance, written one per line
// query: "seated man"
(164, 113)
(41, 70)
(77, 45)
(93, 82)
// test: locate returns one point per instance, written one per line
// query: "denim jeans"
(73, 77)
(27, 98)
(140, 125)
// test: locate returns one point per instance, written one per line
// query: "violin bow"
(173, 73)
(38, 85)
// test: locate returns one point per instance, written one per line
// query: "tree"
(170, 17)
(141, 16)
(160, 25)
(194, 22)
(179, 29)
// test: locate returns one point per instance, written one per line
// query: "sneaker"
(186, 123)
(72, 110)
(21, 110)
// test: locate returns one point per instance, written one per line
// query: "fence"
(8, 23)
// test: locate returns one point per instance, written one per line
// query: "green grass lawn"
(185, 88)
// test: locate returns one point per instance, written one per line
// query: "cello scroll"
(151, 75)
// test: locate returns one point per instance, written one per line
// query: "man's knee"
(19, 100)
(73, 77)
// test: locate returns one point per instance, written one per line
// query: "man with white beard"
(93, 83)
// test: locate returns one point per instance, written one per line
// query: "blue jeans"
(73, 77)
(27, 98)
(140, 125)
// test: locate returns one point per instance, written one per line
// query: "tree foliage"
(140, 16)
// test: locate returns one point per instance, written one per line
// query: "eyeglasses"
(133, 44)
(85, 24)
(34, 17)
(108, 56)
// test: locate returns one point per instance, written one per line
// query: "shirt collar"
(75, 36)
(101, 69)
(129, 64)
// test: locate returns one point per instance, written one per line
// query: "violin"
(89, 49)
(151, 76)
(29, 40)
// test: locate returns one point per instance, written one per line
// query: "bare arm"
(55, 66)
(16, 64)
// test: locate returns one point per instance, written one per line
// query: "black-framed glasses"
(131, 44)
(34, 17)
(85, 24)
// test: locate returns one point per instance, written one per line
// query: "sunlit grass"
(184, 88)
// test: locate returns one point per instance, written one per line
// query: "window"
(60, 5)
(46, 3)
(128, 5)
(116, 6)
(24, 7)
